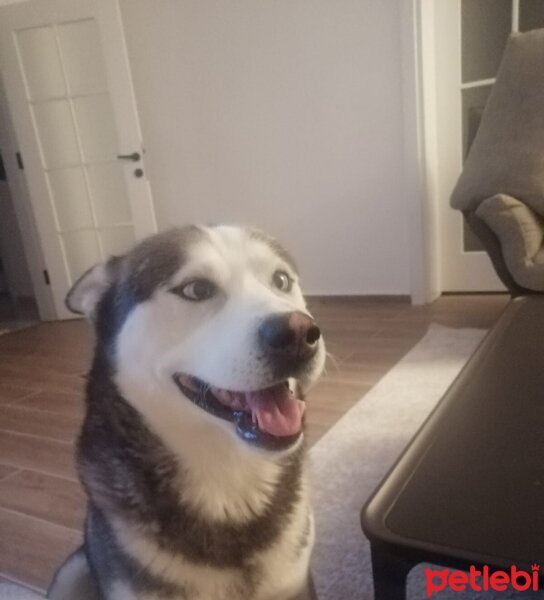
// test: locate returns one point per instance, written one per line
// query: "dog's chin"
(270, 418)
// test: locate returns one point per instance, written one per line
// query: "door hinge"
(46, 277)
(19, 160)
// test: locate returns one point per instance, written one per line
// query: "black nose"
(292, 334)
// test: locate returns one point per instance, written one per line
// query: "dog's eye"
(196, 290)
(282, 281)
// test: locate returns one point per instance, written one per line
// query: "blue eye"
(282, 281)
(196, 290)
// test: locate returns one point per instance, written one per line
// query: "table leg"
(389, 572)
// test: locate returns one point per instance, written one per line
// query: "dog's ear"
(87, 291)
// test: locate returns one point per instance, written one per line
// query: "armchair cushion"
(521, 233)
(507, 154)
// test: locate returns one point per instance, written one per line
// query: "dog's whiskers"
(334, 361)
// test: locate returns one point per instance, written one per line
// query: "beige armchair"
(501, 188)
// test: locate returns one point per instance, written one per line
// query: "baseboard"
(358, 298)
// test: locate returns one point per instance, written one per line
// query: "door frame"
(420, 147)
(422, 150)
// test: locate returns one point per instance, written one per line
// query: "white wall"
(282, 113)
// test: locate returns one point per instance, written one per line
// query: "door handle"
(135, 156)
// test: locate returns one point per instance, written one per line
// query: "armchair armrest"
(520, 232)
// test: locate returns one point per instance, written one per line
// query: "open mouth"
(271, 418)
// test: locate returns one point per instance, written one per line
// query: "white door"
(70, 96)
(470, 37)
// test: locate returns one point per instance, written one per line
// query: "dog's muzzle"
(272, 416)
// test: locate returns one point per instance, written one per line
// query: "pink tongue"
(277, 410)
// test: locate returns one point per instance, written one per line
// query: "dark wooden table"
(469, 488)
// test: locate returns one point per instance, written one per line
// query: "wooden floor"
(41, 382)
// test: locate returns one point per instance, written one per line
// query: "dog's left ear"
(87, 291)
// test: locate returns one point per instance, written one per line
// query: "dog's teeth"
(235, 402)
(230, 399)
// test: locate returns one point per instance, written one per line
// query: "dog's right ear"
(87, 291)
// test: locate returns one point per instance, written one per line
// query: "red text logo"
(482, 581)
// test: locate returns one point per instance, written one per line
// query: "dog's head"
(210, 324)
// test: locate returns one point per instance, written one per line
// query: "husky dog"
(192, 450)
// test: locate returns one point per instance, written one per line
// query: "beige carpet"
(15, 592)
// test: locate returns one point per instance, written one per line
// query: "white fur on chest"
(224, 482)
(283, 568)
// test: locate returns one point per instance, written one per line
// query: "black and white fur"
(179, 505)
